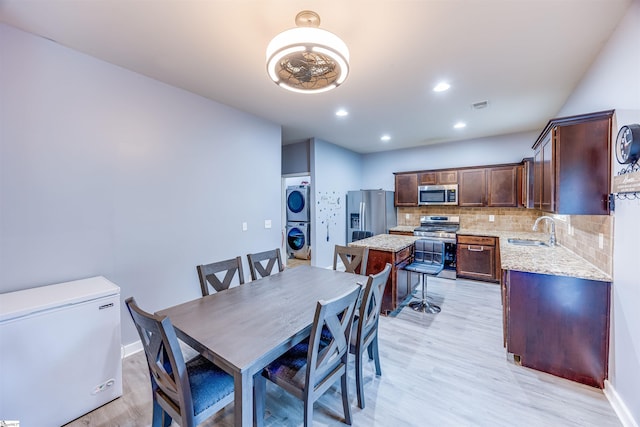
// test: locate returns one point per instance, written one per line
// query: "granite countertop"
(556, 260)
(386, 242)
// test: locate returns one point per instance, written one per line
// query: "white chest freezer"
(59, 351)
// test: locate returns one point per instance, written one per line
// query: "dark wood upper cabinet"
(406, 193)
(572, 167)
(494, 185)
(472, 187)
(502, 186)
(438, 177)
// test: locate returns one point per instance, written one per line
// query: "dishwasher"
(60, 351)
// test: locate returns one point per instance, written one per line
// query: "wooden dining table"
(244, 328)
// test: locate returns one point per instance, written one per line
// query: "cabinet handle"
(475, 250)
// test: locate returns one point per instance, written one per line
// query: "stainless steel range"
(443, 228)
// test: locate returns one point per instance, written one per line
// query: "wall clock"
(628, 144)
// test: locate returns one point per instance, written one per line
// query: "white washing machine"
(298, 203)
(298, 243)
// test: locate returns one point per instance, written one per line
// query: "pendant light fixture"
(307, 59)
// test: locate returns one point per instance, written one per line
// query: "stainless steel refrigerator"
(369, 211)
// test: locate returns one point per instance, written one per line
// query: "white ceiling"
(522, 56)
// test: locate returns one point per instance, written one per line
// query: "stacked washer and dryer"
(298, 217)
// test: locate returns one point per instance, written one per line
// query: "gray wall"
(107, 172)
(334, 171)
(613, 82)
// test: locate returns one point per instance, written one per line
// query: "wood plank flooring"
(446, 369)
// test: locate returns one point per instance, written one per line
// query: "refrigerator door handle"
(364, 218)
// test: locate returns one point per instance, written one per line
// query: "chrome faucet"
(552, 237)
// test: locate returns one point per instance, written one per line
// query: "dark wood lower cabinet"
(398, 286)
(558, 324)
(477, 258)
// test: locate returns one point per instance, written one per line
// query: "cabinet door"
(502, 186)
(476, 258)
(584, 171)
(547, 201)
(472, 189)
(427, 178)
(448, 177)
(406, 193)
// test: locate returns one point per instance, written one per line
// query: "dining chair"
(354, 258)
(364, 335)
(311, 367)
(258, 269)
(187, 392)
(208, 274)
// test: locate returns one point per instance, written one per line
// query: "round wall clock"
(628, 144)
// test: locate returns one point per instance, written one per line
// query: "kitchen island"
(398, 251)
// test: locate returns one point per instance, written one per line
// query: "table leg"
(243, 399)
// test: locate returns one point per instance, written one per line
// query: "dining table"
(246, 327)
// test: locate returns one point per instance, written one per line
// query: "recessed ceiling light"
(441, 87)
(385, 138)
(460, 125)
(342, 112)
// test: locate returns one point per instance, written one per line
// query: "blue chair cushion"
(291, 366)
(209, 384)
(424, 267)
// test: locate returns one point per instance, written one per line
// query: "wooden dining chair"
(187, 392)
(209, 274)
(364, 335)
(311, 367)
(354, 258)
(262, 264)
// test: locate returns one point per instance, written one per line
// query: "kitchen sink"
(527, 242)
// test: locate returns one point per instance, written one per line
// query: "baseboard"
(623, 413)
(129, 349)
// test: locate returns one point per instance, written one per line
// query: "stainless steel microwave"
(438, 194)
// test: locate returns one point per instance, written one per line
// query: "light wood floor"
(447, 369)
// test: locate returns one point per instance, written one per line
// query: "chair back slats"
(353, 258)
(165, 361)
(262, 264)
(210, 274)
(337, 316)
(369, 312)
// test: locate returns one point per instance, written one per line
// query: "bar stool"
(428, 261)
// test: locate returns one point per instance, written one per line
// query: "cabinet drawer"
(476, 240)
(403, 254)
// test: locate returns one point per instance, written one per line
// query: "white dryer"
(298, 243)
(298, 203)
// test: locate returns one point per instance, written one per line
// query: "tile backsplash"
(578, 233)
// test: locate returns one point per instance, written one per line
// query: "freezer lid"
(28, 301)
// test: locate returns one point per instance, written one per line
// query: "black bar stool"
(428, 261)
